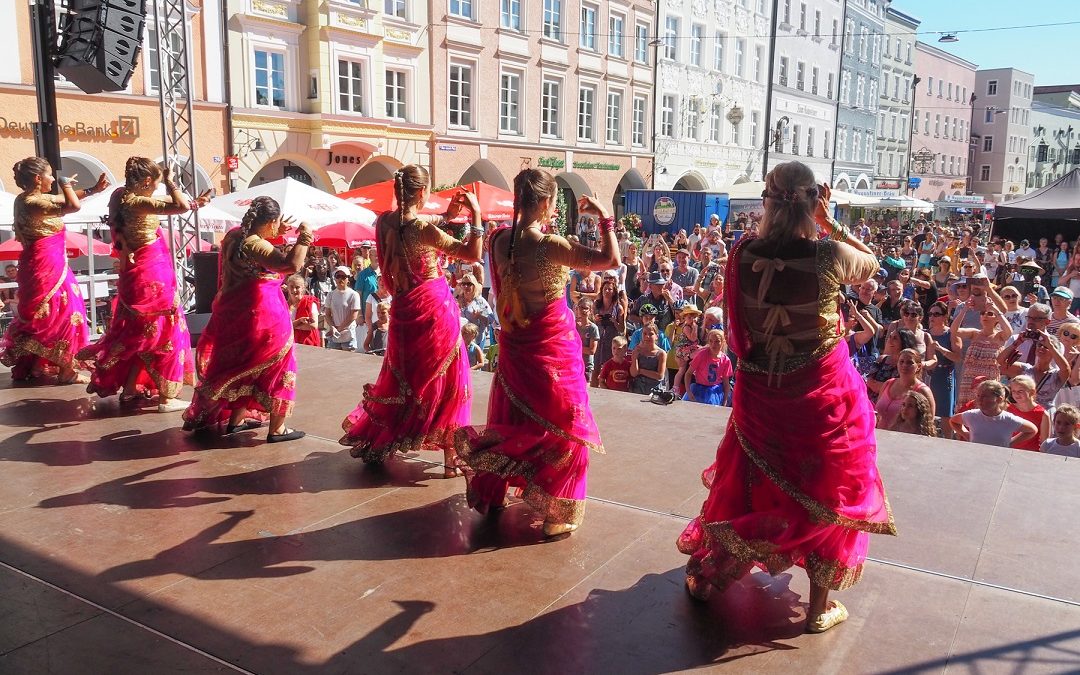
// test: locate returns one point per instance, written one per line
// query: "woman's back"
(409, 253)
(539, 261)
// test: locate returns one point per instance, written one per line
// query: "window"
(396, 102)
(697, 40)
(510, 103)
(989, 116)
(510, 14)
(946, 126)
(796, 134)
(810, 142)
(892, 119)
(586, 115)
(800, 76)
(553, 19)
(929, 86)
(718, 52)
(787, 12)
(395, 8)
(881, 125)
(829, 90)
(637, 124)
(759, 64)
(802, 17)
(151, 60)
(549, 108)
(740, 58)
(905, 90)
(755, 122)
(860, 91)
(460, 95)
(915, 124)
(667, 116)
(615, 47)
(841, 143)
(991, 88)
(903, 127)
(988, 143)
(269, 79)
(835, 31)
(693, 120)
(856, 146)
(948, 94)
(926, 127)
(984, 172)
(714, 122)
(845, 88)
(783, 71)
(588, 27)
(462, 8)
(828, 148)
(671, 36)
(849, 34)
(736, 134)
(817, 23)
(940, 88)
(350, 86)
(814, 79)
(641, 43)
(614, 117)
(863, 39)
(872, 103)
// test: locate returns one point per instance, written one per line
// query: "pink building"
(565, 85)
(941, 127)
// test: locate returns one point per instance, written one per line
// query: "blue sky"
(1046, 52)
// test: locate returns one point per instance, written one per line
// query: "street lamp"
(915, 80)
(948, 37)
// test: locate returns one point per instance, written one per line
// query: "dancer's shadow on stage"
(119, 446)
(440, 529)
(41, 412)
(317, 472)
(651, 627)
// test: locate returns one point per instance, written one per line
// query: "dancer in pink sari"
(795, 480)
(245, 356)
(50, 322)
(146, 349)
(540, 427)
(423, 393)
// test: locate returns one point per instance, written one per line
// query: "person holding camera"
(1050, 369)
(980, 357)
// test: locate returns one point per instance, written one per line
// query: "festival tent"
(495, 203)
(379, 197)
(1043, 213)
(299, 201)
(76, 244)
(95, 208)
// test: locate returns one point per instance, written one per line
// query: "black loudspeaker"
(205, 266)
(100, 43)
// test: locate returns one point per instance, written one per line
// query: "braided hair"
(531, 186)
(138, 169)
(27, 170)
(790, 197)
(262, 210)
(409, 180)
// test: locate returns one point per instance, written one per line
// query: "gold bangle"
(305, 240)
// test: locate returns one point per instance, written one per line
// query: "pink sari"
(805, 492)
(540, 426)
(245, 356)
(148, 329)
(50, 323)
(423, 393)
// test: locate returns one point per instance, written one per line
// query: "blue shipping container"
(674, 210)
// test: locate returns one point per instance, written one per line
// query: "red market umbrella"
(495, 203)
(76, 244)
(338, 235)
(379, 197)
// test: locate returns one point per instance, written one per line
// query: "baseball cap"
(648, 309)
(341, 269)
(1062, 292)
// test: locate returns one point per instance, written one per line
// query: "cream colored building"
(336, 94)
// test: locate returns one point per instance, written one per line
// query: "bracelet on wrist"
(606, 224)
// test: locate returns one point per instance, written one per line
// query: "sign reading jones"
(124, 126)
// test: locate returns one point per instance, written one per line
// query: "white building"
(894, 101)
(710, 92)
(1001, 132)
(806, 82)
(1055, 134)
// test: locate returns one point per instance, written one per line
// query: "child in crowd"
(647, 361)
(469, 333)
(990, 423)
(915, 416)
(648, 315)
(615, 373)
(375, 342)
(1064, 443)
(590, 335)
(708, 377)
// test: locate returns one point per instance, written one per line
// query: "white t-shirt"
(997, 430)
(1017, 318)
(1051, 447)
(340, 304)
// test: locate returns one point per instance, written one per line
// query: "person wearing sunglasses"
(1069, 334)
(985, 342)
(1060, 300)
(343, 308)
(943, 367)
(1014, 313)
(1050, 371)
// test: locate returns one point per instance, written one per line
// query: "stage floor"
(127, 546)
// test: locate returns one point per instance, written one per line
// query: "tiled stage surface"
(128, 547)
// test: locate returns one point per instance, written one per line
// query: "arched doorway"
(631, 180)
(376, 170)
(87, 166)
(573, 187)
(692, 181)
(202, 179)
(842, 183)
(287, 168)
(863, 183)
(483, 170)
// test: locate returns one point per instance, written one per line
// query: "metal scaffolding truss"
(173, 61)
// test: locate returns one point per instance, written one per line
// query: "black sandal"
(246, 425)
(287, 435)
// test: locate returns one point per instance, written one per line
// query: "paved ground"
(126, 546)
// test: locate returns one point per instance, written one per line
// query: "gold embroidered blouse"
(139, 219)
(790, 302)
(544, 280)
(246, 258)
(423, 243)
(36, 216)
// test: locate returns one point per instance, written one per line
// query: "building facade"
(860, 71)
(941, 128)
(98, 132)
(710, 93)
(1001, 133)
(806, 82)
(333, 94)
(1055, 134)
(895, 101)
(568, 86)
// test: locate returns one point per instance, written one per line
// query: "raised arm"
(264, 253)
(576, 256)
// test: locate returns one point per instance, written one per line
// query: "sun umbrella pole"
(91, 290)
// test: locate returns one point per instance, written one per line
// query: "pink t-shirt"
(708, 370)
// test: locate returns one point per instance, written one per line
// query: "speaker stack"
(100, 43)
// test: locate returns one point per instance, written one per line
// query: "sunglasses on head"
(1010, 296)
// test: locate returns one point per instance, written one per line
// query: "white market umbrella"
(299, 201)
(905, 203)
(7, 208)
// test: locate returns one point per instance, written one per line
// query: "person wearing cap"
(343, 308)
(1025, 250)
(649, 314)
(657, 298)
(684, 275)
(1060, 301)
(685, 340)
